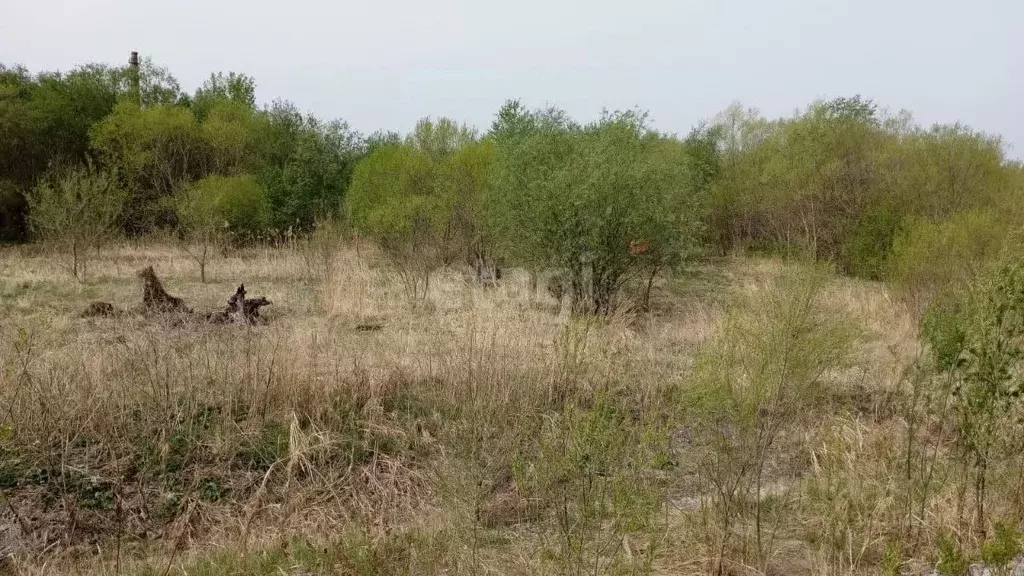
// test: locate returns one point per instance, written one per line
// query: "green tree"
(980, 342)
(44, 120)
(932, 259)
(841, 181)
(155, 150)
(440, 138)
(752, 381)
(394, 199)
(606, 202)
(306, 165)
(218, 210)
(76, 210)
(238, 89)
(230, 133)
(464, 180)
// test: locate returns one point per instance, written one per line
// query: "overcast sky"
(384, 64)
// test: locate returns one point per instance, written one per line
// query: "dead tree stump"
(240, 310)
(155, 298)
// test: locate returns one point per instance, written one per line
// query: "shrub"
(155, 150)
(930, 257)
(979, 342)
(871, 242)
(583, 198)
(422, 200)
(394, 200)
(752, 382)
(77, 210)
(220, 209)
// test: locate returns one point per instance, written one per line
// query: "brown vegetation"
(480, 434)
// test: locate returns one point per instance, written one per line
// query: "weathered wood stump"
(156, 301)
(240, 310)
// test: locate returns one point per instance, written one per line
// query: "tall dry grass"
(483, 432)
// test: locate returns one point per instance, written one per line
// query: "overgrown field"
(483, 431)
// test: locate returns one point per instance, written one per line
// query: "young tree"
(752, 380)
(217, 210)
(235, 88)
(394, 199)
(461, 170)
(306, 165)
(979, 341)
(464, 178)
(44, 120)
(604, 202)
(230, 133)
(76, 210)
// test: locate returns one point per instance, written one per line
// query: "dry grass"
(483, 432)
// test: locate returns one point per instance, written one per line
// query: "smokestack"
(133, 64)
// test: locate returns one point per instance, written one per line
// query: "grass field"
(482, 431)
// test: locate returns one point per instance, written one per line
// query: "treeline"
(611, 202)
(55, 123)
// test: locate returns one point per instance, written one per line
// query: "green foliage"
(212, 490)
(464, 180)
(929, 257)
(269, 446)
(592, 466)
(307, 172)
(980, 343)
(838, 180)
(1004, 545)
(394, 199)
(422, 201)
(235, 88)
(76, 210)
(44, 120)
(439, 139)
(231, 133)
(951, 561)
(871, 241)
(233, 206)
(752, 381)
(576, 197)
(154, 151)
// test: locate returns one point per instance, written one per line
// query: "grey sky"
(386, 64)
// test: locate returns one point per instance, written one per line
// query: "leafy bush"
(154, 150)
(871, 242)
(218, 210)
(752, 382)
(234, 205)
(929, 257)
(582, 198)
(395, 201)
(980, 343)
(77, 210)
(306, 165)
(422, 200)
(837, 179)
